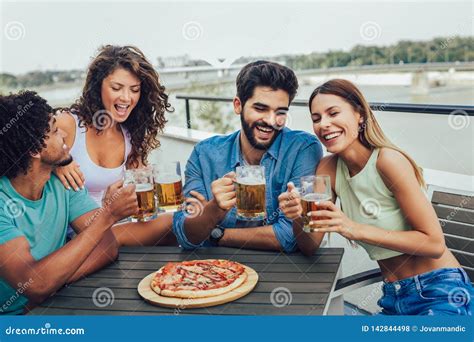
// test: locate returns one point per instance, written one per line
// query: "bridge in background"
(180, 77)
(401, 67)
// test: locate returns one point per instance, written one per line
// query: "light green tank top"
(366, 199)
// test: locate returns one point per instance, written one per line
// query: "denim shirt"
(292, 155)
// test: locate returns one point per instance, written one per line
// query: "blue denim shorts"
(446, 291)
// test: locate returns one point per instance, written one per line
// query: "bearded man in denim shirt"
(264, 93)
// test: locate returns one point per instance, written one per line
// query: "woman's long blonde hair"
(370, 133)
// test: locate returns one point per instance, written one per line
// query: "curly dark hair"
(24, 125)
(265, 74)
(147, 118)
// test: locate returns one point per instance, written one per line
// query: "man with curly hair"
(36, 209)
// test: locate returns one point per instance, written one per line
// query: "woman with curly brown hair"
(115, 122)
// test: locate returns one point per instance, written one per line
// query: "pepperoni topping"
(198, 275)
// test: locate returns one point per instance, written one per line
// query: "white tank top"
(98, 178)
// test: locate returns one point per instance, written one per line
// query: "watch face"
(216, 233)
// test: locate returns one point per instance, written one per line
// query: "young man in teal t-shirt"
(35, 210)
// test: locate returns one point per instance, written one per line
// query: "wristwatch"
(216, 235)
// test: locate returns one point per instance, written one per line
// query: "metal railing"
(376, 106)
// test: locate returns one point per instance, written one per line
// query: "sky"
(62, 35)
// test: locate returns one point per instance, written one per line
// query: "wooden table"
(289, 284)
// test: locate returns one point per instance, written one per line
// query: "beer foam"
(251, 181)
(167, 179)
(315, 197)
(143, 187)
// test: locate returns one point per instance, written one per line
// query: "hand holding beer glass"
(314, 189)
(120, 201)
(250, 190)
(168, 185)
(223, 190)
(143, 180)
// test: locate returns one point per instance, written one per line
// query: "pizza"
(198, 278)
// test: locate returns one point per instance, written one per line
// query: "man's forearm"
(59, 267)
(197, 229)
(254, 238)
(103, 254)
(151, 233)
(308, 243)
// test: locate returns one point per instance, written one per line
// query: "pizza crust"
(192, 294)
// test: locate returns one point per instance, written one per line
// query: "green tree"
(8, 81)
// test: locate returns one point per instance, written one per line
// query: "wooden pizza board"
(145, 291)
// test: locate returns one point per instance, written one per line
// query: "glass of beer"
(168, 186)
(250, 189)
(313, 189)
(143, 180)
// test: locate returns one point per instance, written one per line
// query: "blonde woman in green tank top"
(384, 208)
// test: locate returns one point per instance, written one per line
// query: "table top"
(289, 284)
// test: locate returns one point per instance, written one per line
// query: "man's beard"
(64, 162)
(249, 133)
(59, 163)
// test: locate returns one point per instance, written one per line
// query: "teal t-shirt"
(43, 223)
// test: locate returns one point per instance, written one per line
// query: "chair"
(455, 211)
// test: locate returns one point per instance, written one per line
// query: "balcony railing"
(376, 106)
